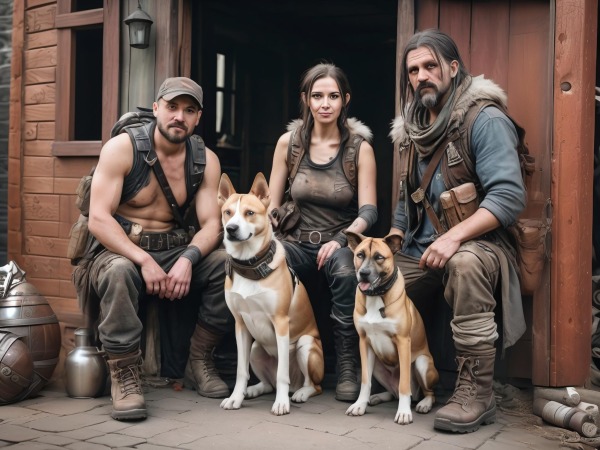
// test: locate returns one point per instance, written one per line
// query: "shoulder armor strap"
(294, 156)
(350, 159)
(199, 160)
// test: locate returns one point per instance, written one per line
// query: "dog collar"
(380, 289)
(254, 268)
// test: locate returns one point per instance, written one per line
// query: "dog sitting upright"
(269, 303)
(393, 344)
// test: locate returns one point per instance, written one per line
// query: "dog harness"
(255, 268)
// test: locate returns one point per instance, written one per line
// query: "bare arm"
(279, 171)
(116, 159)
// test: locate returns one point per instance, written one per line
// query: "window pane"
(88, 84)
(84, 5)
(220, 70)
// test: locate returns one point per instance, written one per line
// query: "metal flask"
(86, 368)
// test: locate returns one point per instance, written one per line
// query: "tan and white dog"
(393, 344)
(269, 303)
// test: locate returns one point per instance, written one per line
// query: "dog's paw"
(382, 397)
(425, 405)
(258, 389)
(303, 394)
(232, 403)
(403, 418)
(356, 409)
(281, 408)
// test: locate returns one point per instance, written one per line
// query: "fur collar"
(355, 126)
(480, 89)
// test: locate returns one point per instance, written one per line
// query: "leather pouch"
(459, 203)
(82, 201)
(285, 218)
(78, 238)
(531, 240)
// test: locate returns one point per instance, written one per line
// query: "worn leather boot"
(473, 402)
(126, 386)
(205, 375)
(348, 363)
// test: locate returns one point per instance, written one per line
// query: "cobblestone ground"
(182, 419)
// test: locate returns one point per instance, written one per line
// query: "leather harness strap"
(255, 268)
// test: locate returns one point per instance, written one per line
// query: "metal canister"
(86, 369)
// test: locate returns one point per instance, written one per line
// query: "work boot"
(348, 363)
(126, 386)
(473, 401)
(205, 375)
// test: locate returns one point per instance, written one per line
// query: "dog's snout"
(232, 228)
(364, 273)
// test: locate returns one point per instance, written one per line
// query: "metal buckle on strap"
(418, 195)
(310, 237)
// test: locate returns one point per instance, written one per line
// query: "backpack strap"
(294, 156)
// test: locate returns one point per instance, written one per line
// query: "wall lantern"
(139, 23)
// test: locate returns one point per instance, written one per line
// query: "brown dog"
(269, 303)
(393, 344)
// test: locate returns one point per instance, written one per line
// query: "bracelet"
(341, 239)
(192, 253)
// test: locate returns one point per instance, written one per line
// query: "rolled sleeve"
(494, 145)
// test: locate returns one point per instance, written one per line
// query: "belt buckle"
(142, 245)
(418, 195)
(310, 237)
(160, 243)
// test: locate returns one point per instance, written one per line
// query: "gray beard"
(430, 100)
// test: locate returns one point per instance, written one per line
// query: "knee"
(341, 264)
(120, 268)
(462, 263)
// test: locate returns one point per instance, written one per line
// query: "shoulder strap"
(350, 159)
(294, 156)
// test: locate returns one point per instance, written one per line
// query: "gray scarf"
(427, 137)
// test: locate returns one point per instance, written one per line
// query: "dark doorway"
(249, 57)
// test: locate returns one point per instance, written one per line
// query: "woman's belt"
(156, 242)
(315, 237)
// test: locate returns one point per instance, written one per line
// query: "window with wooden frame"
(87, 78)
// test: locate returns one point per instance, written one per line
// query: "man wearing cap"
(144, 250)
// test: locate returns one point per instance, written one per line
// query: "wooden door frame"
(561, 336)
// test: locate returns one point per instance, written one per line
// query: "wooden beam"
(80, 19)
(110, 63)
(574, 79)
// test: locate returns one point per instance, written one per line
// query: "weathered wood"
(39, 245)
(76, 148)
(34, 166)
(65, 185)
(15, 144)
(46, 285)
(46, 38)
(74, 167)
(37, 148)
(574, 80)
(110, 70)
(40, 93)
(35, 3)
(41, 228)
(35, 113)
(30, 131)
(37, 185)
(79, 19)
(40, 19)
(455, 19)
(40, 207)
(65, 87)
(427, 14)
(490, 41)
(40, 57)
(40, 75)
(45, 130)
(68, 212)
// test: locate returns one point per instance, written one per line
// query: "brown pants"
(469, 283)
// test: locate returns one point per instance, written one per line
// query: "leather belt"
(156, 242)
(315, 237)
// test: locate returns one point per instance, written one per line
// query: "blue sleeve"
(494, 145)
(399, 218)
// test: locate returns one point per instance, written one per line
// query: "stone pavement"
(182, 419)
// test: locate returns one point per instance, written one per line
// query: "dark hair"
(441, 46)
(323, 70)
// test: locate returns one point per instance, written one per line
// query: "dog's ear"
(394, 242)
(354, 239)
(226, 189)
(260, 188)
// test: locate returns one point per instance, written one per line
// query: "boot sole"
(217, 394)
(487, 418)
(346, 397)
(134, 414)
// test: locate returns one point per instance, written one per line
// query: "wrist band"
(192, 253)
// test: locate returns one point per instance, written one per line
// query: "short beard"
(173, 139)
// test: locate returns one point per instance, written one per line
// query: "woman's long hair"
(323, 70)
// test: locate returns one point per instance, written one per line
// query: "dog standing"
(393, 344)
(269, 303)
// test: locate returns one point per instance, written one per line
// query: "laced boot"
(204, 373)
(473, 402)
(348, 363)
(126, 386)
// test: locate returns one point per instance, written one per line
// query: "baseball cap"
(175, 86)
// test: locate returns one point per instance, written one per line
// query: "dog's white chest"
(378, 329)
(256, 306)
